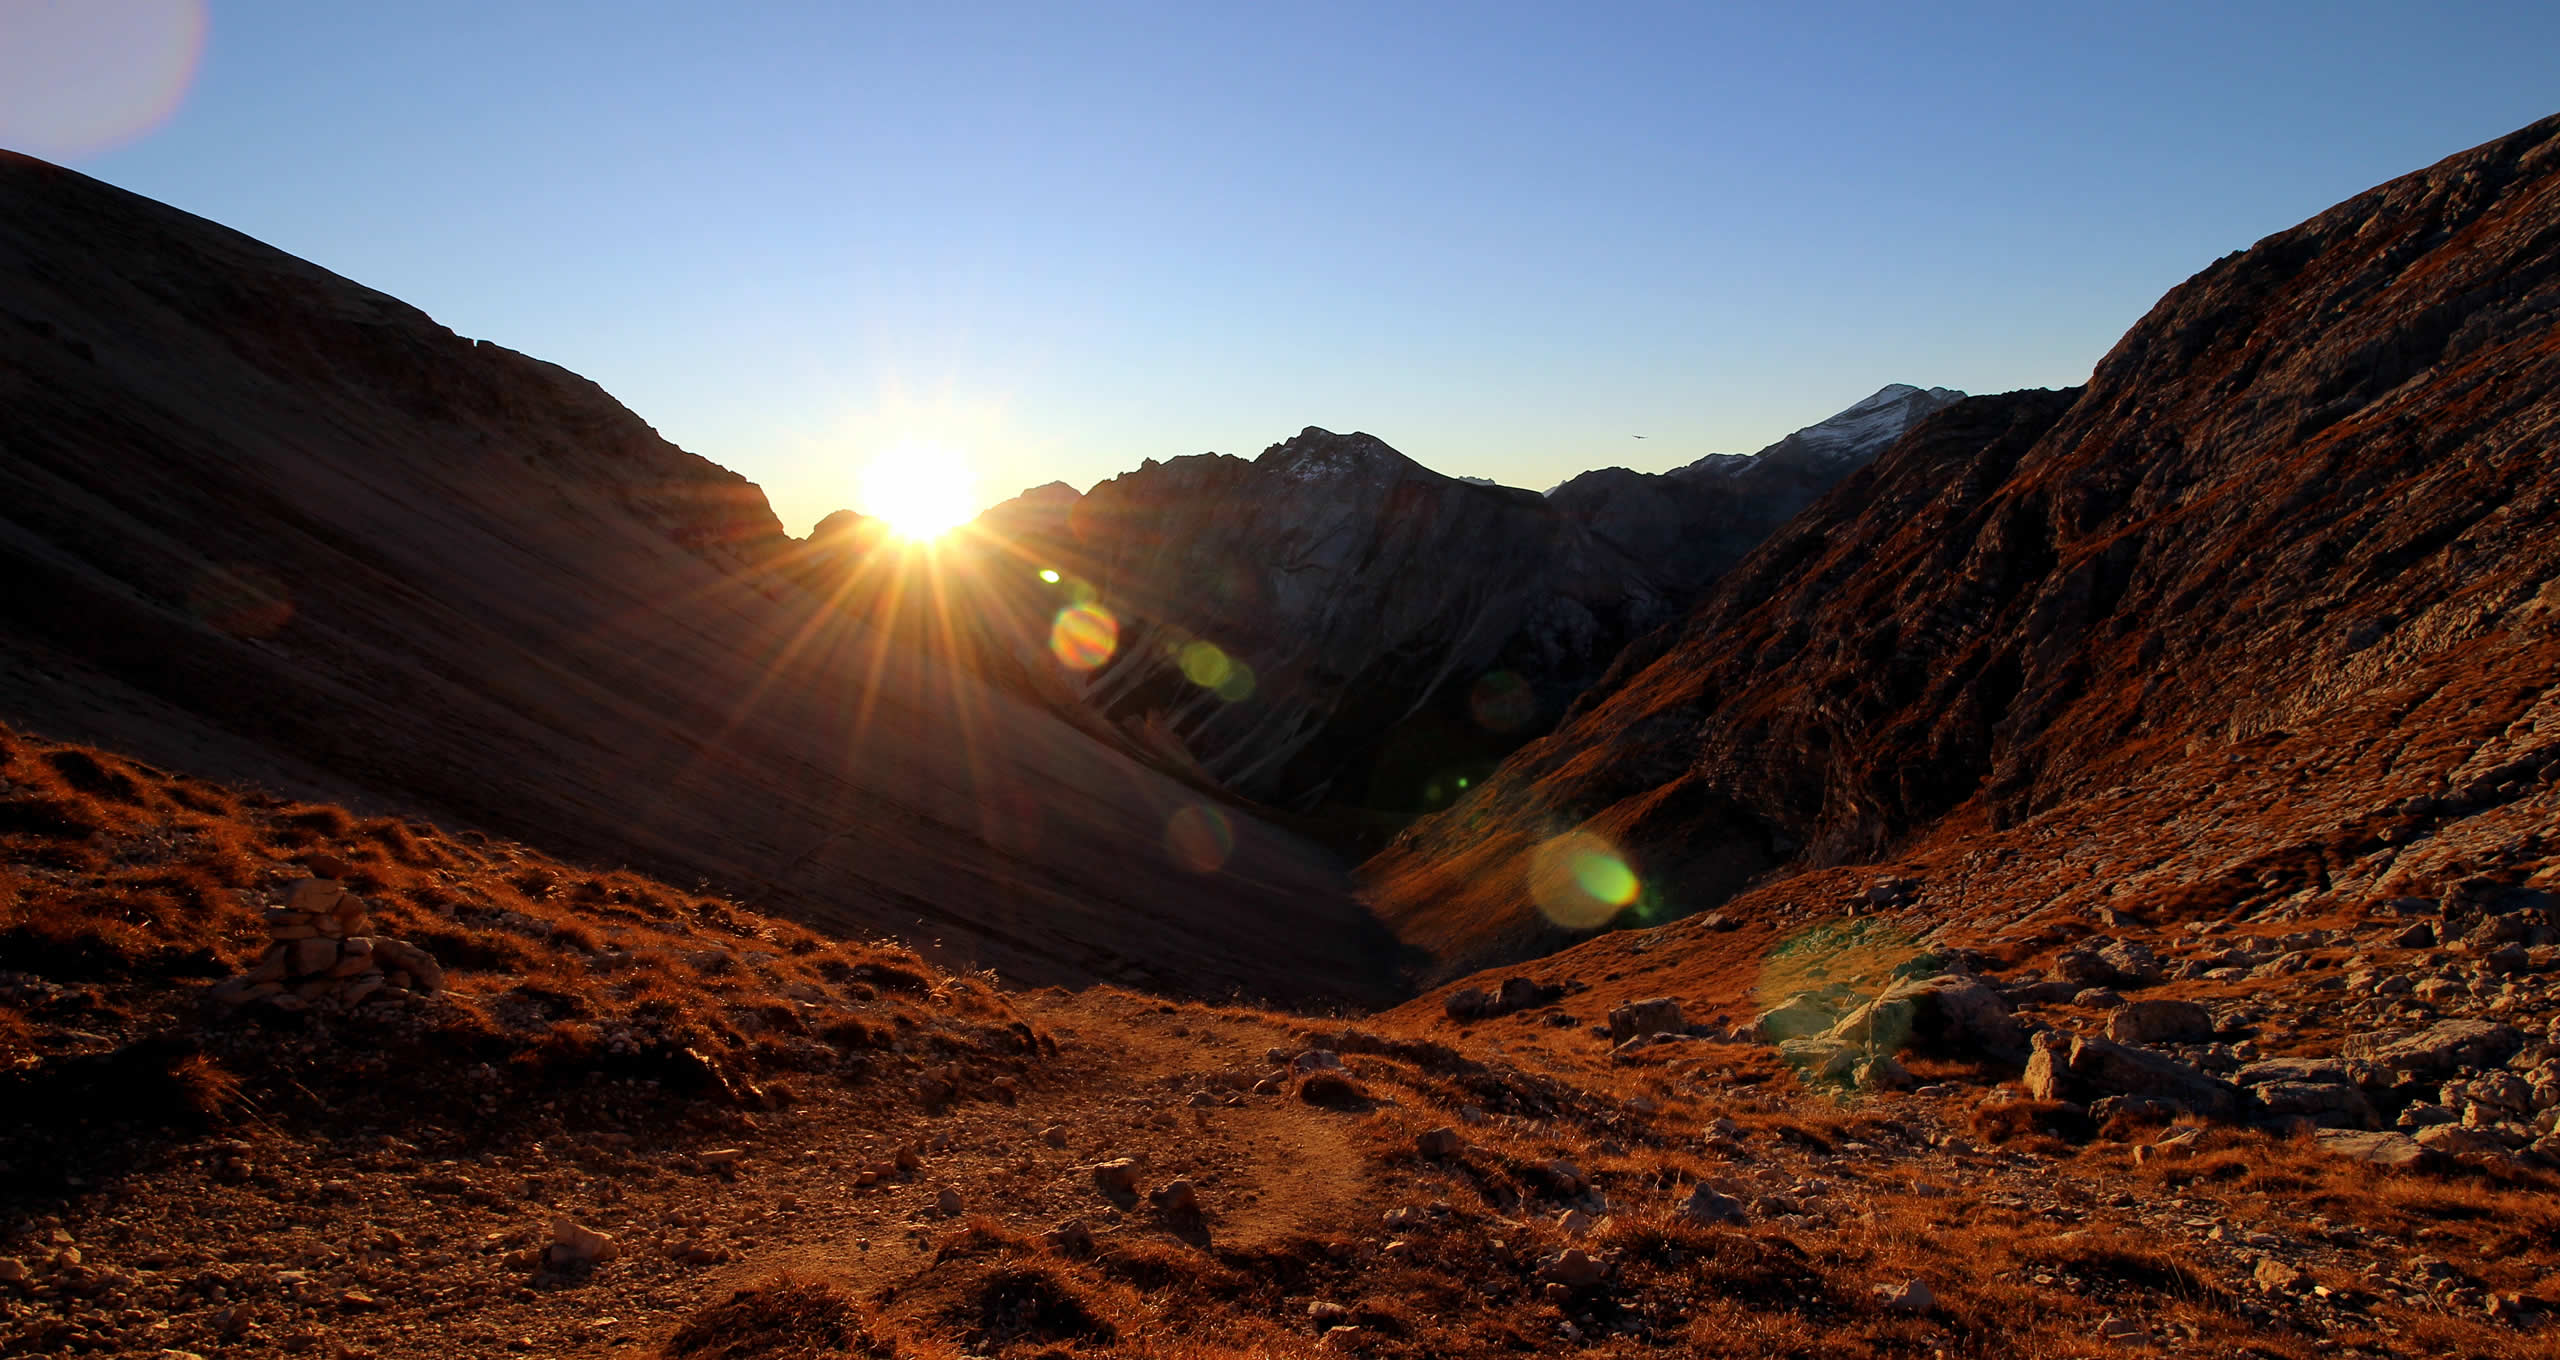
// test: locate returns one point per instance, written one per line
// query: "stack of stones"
(321, 955)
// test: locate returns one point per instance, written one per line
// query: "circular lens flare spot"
(1237, 686)
(1083, 636)
(1199, 838)
(1049, 574)
(1580, 881)
(91, 74)
(1203, 664)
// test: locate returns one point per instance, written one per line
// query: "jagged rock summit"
(1386, 633)
(2267, 606)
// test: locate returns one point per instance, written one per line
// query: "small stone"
(2119, 1331)
(1071, 1236)
(2275, 1277)
(1326, 1313)
(1118, 1176)
(1440, 1142)
(1055, 1135)
(1574, 1268)
(574, 1245)
(1706, 1205)
(947, 1202)
(358, 1301)
(721, 1156)
(1176, 1199)
(13, 1271)
(1911, 1296)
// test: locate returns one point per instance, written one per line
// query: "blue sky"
(1503, 238)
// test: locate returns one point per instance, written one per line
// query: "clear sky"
(1065, 237)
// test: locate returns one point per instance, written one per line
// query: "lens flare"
(920, 490)
(1237, 686)
(82, 77)
(1200, 838)
(1083, 636)
(1580, 881)
(1049, 574)
(1203, 664)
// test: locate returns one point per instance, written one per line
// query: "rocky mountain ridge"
(1401, 629)
(2266, 602)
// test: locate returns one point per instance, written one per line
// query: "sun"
(920, 490)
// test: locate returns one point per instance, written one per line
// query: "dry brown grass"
(124, 889)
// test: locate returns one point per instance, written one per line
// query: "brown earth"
(728, 1096)
(261, 522)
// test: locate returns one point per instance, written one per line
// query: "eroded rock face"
(2297, 533)
(1383, 631)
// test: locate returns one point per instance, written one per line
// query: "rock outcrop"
(1332, 622)
(2279, 589)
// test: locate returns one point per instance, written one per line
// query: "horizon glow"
(1506, 239)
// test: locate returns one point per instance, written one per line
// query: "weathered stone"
(2275, 1277)
(1118, 1176)
(2131, 963)
(948, 1202)
(2160, 1021)
(2329, 1104)
(1176, 1199)
(1798, 1017)
(1654, 1015)
(2438, 1049)
(2091, 1067)
(1911, 1296)
(1467, 1003)
(1707, 1205)
(1440, 1142)
(2325, 1070)
(574, 1245)
(2393, 1151)
(1574, 1268)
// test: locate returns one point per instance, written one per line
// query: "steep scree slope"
(2284, 566)
(260, 521)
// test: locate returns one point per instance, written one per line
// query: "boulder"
(1118, 1176)
(2333, 1105)
(1654, 1015)
(1798, 1017)
(2160, 1022)
(2438, 1049)
(2326, 1070)
(1707, 1205)
(1952, 1013)
(2392, 1151)
(1575, 1268)
(2132, 962)
(2088, 1068)
(1440, 1142)
(1467, 1003)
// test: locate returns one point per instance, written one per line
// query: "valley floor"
(800, 1147)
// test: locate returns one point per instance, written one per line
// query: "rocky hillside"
(260, 521)
(2271, 597)
(1383, 634)
(607, 1116)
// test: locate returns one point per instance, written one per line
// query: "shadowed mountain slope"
(2286, 564)
(1384, 634)
(262, 522)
